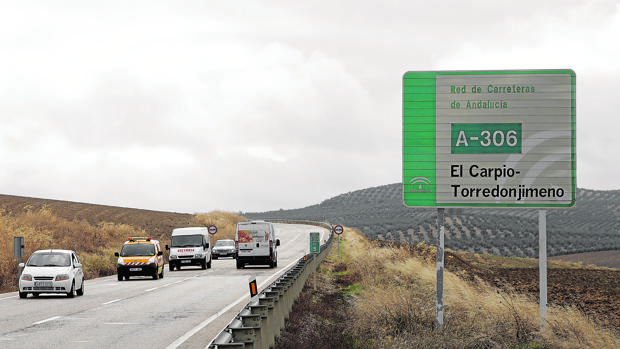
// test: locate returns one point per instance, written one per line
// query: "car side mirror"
(22, 265)
(78, 265)
(167, 247)
(207, 245)
(116, 254)
(160, 253)
(277, 242)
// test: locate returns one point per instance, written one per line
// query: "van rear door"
(254, 239)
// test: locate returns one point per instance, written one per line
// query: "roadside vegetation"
(94, 243)
(226, 223)
(382, 295)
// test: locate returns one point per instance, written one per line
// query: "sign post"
(338, 230)
(315, 246)
(212, 231)
(503, 138)
(19, 252)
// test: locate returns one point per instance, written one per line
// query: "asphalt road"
(185, 309)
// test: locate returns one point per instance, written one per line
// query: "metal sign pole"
(440, 266)
(542, 264)
(338, 245)
(18, 250)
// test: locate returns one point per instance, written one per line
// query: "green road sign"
(315, 246)
(489, 138)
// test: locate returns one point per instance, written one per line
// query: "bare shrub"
(94, 244)
(396, 307)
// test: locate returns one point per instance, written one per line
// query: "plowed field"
(155, 223)
(594, 291)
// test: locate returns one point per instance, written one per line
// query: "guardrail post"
(272, 332)
(275, 311)
(241, 334)
(286, 299)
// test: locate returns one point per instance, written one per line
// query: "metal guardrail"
(259, 323)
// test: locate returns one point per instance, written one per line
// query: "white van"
(256, 243)
(189, 246)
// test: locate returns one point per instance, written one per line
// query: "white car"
(52, 271)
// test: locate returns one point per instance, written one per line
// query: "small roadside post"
(253, 287)
(315, 248)
(212, 231)
(338, 230)
(19, 252)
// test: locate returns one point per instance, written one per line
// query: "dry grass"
(95, 244)
(395, 307)
(225, 222)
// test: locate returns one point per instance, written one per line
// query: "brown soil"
(609, 259)
(594, 291)
(155, 223)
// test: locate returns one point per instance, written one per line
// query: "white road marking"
(112, 301)
(203, 324)
(46, 320)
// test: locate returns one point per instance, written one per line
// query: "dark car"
(223, 248)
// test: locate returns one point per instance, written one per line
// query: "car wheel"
(71, 293)
(23, 294)
(171, 267)
(80, 291)
(120, 277)
(209, 264)
(239, 265)
(203, 264)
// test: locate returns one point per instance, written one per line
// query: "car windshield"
(186, 241)
(49, 259)
(224, 243)
(133, 250)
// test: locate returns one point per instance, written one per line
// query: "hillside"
(593, 224)
(156, 223)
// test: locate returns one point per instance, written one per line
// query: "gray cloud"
(196, 106)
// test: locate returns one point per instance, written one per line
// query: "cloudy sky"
(194, 106)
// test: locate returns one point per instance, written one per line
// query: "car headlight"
(199, 255)
(61, 277)
(151, 260)
(26, 277)
(172, 256)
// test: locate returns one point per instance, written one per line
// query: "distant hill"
(155, 223)
(593, 224)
